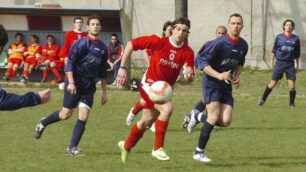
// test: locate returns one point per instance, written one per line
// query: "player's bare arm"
(220, 76)
(71, 85)
(103, 88)
(122, 72)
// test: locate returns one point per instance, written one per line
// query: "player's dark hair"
(181, 20)
(35, 37)
(19, 34)
(77, 18)
(50, 36)
(94, 17)
(235, 15)
(3, 36)
(165, 26)
(221, 27)
(288, 20)
(114, 34)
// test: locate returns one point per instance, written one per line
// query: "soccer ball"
(61, 86)
(160, 92)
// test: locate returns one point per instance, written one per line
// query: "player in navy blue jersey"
(286, 50)
(87, 61)
(200, 106)
(10, 101)
(221, 61)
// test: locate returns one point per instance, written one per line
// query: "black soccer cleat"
(39, 129)
(261, 102)
(186, 120)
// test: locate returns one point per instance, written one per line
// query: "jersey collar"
(233, 41)
(174, 45)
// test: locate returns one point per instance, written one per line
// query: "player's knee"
(144, 125)
(225, 124)
(83, 117)
(65, 115)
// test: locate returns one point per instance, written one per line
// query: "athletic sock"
(54, 117)
(205, 134)
(77, 133)
(292, 94)
(137, 108)
(45, 74)
(134, 136)
(200, 106)
(56, 73)
(160, 133)
(266, 93)
(203, 117)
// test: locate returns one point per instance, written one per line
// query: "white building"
(131, 18)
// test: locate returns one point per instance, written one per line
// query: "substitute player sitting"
(15, 58)
(50, 54)
(168, 56)
(32, 53)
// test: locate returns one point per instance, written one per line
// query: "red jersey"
(167, 59)
(50, 52)
(70, 38)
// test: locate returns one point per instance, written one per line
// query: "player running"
(219, 60)
(87, 61)
(168, 56)
(195, 114)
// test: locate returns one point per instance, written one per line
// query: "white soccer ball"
(160, 92)
(61, 86)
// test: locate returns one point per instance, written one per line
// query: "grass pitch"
(268, 138)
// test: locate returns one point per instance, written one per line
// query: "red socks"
(133, 138)
(137, 108)
(160, 133)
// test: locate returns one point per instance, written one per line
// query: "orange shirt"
(18, 55)
(33, 48)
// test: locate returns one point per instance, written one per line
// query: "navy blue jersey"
(287, 48)
(196, 60)
(87, 59)
(222, 54)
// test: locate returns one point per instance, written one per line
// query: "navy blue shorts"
(84, 94)
(217, 92)
(282, 67)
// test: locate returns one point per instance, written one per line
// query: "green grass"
(271, 138)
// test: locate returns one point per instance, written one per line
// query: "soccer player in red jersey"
(73, 35)
(15, 58)
(32, 53)
(50, 53)
(167, 31)
(168, 57)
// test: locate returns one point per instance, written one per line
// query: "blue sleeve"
(207, 54)
(104, 66)
(75, 53)
(242, 61)
(274, 49)
(297, 49)
(10, 101)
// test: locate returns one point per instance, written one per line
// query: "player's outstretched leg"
(186, 120)
(44, 122)
(124, 153)
(195, 119)
(130, 117)
(264, 96)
